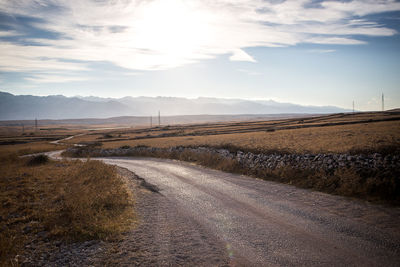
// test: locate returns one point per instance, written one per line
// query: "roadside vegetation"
(68, 201)
(369, 184)
(351, 134)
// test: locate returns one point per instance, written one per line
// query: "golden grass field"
(28, 148)
(338, 133)
(336, 139)
(68, 200)
(312, 135)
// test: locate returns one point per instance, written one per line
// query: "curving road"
(266, 223)
(269, 224)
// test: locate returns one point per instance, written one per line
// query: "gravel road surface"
(264, 223)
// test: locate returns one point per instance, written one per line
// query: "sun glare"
(175, 29)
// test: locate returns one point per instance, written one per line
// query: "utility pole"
(35, 124)
(151, 122)
(23, 129)
(383, 103)
(353, 106)
(159, 119)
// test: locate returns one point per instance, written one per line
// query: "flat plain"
(337, 133)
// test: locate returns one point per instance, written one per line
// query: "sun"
(175, 30)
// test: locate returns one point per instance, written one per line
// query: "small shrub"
(385, 149)
(141, 146)
(38, 160)
(94, 144)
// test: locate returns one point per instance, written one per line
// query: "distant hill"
(130, 121)
(201, 105)
(57, 107)
(28, 107)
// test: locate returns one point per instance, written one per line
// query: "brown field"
(70, 200)
(338, 133)
(363, 133)
(28, 148)
(328, 139)
(14, 141)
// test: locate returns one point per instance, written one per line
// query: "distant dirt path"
(270, 224)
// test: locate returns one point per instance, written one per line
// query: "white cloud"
(333, 40)
(240, 55)
(362, 7)
(54, 78)
(35, 58)
(162, 34)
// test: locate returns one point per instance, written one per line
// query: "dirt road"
(270, 224)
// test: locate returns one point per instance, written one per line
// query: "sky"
(308, 52)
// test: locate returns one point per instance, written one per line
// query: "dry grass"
(69, 200)
(366, 132)
(381, 187)
(29, 148)
(46, 128)
(336, 139)
(369, 184)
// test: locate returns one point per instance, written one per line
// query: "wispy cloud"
(8, 33)
(162, 34)
(54, 78)
(321, 51)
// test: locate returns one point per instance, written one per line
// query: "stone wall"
(327, 162)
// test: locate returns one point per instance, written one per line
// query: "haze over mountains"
(28, 107)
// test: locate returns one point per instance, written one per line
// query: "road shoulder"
(164, 236)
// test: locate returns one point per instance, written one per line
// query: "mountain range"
(28, 107)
